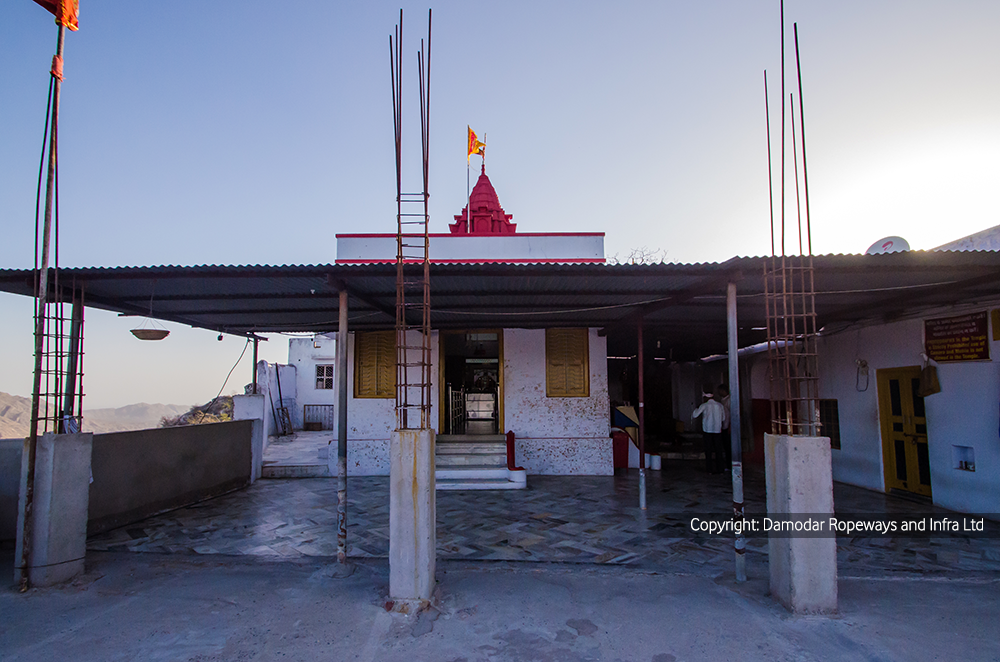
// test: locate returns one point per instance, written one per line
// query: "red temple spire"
(488, 216)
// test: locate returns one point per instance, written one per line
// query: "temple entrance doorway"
(472, 382)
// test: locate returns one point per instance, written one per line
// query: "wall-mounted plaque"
(959, 338)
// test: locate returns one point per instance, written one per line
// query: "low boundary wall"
(138, 474)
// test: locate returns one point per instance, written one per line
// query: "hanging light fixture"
(150, 329)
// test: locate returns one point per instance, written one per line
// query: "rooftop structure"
(491, 238)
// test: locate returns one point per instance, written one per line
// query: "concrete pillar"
(59, 508)
(412, 517)
(800, 483)
(341, 470)
(735, 431)
(251, 408)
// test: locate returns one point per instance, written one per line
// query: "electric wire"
(247, 344)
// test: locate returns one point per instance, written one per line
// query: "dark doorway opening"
(472, 381)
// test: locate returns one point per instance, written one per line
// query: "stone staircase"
(474, 462)
(461, 462)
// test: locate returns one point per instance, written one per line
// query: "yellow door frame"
(901, 430)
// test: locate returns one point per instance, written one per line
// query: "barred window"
(324, 377)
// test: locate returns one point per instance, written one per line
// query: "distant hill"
(15, 416)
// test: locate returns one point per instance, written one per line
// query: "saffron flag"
(475, 147)
(67, 12)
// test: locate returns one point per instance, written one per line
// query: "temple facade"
(549, 386)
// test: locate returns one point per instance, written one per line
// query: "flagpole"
(468, 198)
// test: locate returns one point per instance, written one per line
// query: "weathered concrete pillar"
(341, 468)
(59, 508)
(800, 485)
(412, 516)
(251, 408)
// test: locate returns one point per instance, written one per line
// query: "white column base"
(412, 516)
(60, 505)
(800, 482)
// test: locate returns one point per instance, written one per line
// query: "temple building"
(549, 386)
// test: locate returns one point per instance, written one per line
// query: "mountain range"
(15, 416)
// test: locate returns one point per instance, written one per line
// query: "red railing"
(511, 464)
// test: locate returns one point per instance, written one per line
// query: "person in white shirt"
(712, 415)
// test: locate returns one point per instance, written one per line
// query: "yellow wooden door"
(904, 431)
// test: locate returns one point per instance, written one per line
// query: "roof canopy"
(682, 305)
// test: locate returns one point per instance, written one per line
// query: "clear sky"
(252, 132)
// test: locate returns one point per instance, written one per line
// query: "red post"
(511, 464)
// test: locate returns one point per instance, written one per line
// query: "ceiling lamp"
(150, 329)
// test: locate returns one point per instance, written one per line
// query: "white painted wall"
(760, 377)
(522, 247)
(250, 407)
(559, 436)
(267, 385)
(966, 412)
(371, 421)
(305, 354)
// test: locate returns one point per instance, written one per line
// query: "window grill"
(324, 377)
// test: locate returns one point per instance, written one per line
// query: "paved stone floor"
(300, 448)
(589, 520)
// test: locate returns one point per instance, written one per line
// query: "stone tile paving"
(301, 448)
(571, 519)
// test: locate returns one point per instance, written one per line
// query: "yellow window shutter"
(386, 378)
(567, 365)
(374, 364)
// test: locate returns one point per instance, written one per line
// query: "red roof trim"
(481, 234)
(579, 260)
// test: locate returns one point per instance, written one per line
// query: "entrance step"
(480, 484)
(470, 460)
(467, 447)
(475, 438)
(295, 471)
(473, 462)
(471, 471)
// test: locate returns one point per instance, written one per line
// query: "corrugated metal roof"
(682, 302)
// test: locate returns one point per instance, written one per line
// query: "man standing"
(712, 415)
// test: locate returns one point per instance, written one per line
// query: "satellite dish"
(888, 245)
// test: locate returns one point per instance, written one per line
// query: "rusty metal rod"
(72, 366)
(802, 120)
(795, 170)
(26, 518)
(782, 127)
(770, 186)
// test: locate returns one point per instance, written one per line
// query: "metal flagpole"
(468, 196)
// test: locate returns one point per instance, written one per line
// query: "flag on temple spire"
(475, 147)
(67, 12)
